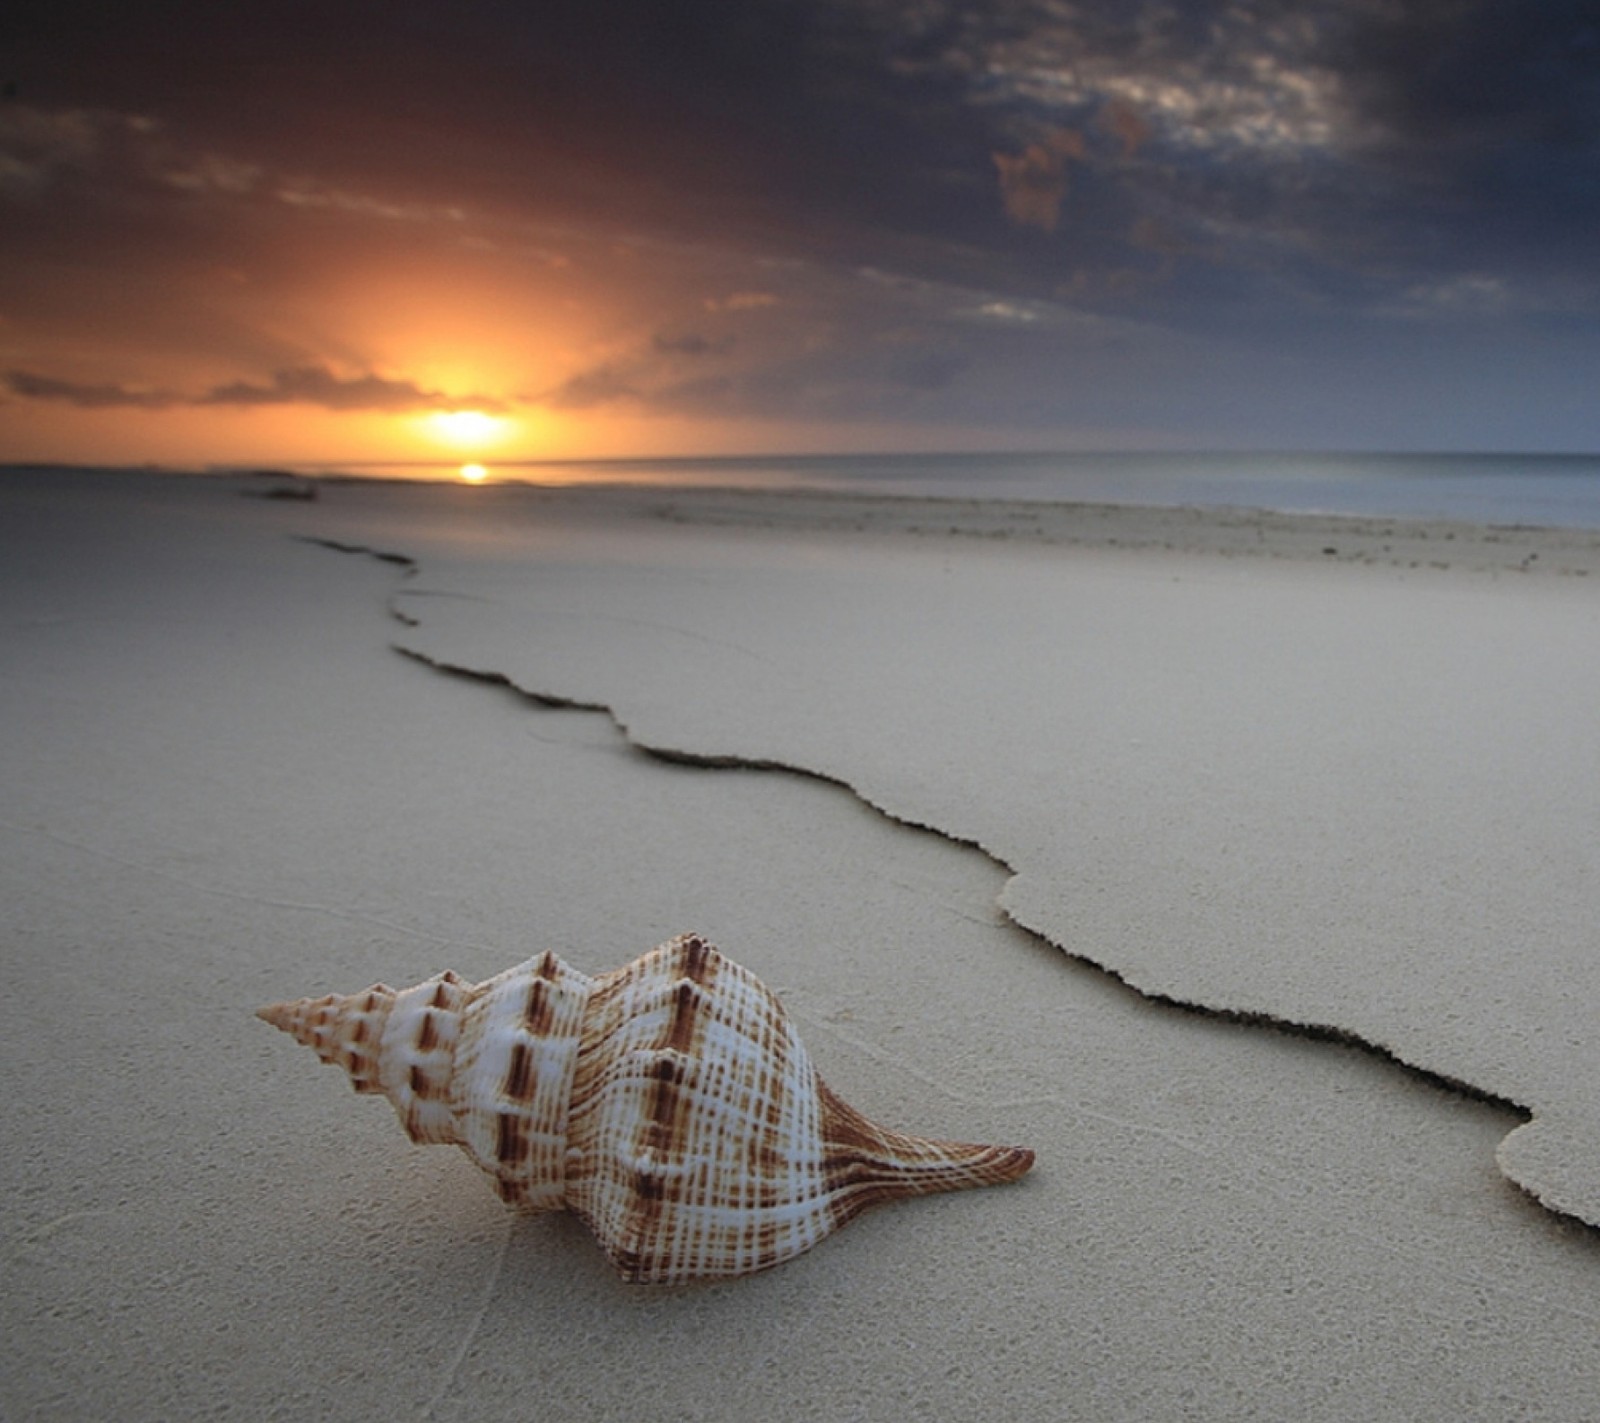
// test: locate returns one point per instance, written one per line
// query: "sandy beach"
(1242, 866)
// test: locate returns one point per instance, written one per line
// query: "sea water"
(1540, 489)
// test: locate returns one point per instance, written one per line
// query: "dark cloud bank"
(305, 385)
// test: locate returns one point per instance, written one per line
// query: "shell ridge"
(511, 1090)
(724, 1175)
(417, 1056)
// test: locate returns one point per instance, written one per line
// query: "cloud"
(305, 193)
(1008, 311)
(741, 301)
(600, 386)
(316, 385)
(212, 173)
(41, 147)
(1125, 123)
(691, 343)
(1473, 294)
(298, 385)
(99, 152)
(644, 375)
(1034, 182)
(85, 396)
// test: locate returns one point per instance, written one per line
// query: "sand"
(1350, 790)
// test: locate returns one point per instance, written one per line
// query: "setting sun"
(468, 429)
(474, 473)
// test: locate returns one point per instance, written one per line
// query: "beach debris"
(286, 485)
(668, 1104)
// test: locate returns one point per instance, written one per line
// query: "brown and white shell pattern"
(668, 1103)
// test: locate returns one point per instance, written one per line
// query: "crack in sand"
(475, 1324)
(1315, 1032)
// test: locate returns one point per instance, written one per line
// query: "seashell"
(668, 1104)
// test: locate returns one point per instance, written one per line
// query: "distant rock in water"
(294, 487)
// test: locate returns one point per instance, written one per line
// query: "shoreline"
(1372, 540)
(1408, 543)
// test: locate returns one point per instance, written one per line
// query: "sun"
(474, 473)
(468, 429)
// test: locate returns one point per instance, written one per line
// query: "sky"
(527, 229)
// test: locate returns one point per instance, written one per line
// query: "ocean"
(1534, 489)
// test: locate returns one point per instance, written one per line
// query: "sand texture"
(1332, 790)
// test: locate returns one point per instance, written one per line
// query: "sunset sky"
(520, 229)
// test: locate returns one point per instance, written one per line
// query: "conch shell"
(668, 1104)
